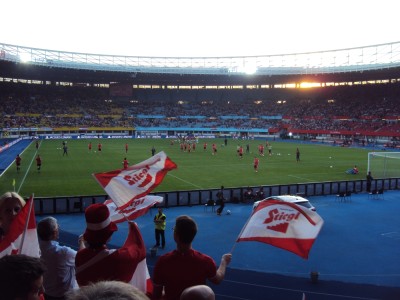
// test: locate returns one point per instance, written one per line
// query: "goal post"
(384, 164)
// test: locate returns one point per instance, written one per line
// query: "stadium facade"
(307, 76)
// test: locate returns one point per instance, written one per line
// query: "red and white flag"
(125, 185)
(141, 277)
(137, 208)
(22, 237)
(284, 225)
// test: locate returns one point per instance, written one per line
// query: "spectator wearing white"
(59, 260)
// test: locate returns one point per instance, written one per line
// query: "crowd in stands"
(55, 107)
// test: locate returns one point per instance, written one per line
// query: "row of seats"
(374, 194)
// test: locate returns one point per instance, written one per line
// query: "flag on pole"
(125, 185)
(97, 264)
(137, 208)
(22, 237)
(141, 277)
(284, 225)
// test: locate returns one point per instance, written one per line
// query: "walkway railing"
(78, 204)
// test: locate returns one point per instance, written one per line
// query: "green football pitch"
(72, 175)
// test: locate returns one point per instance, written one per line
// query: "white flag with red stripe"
(141, 277)
(137, 208)
(284, 225)
(22, 237)
(125, 185)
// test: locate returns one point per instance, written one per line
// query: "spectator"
(107, 290)
(21, 277)
(59, 260)
(98, 263)
(10, 205)
(260, 194)
(185, 267)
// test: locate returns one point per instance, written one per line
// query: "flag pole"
(240, 233)
(26, 224)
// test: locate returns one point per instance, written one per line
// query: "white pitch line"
(26, 173)
(199, 187)
(298, 177)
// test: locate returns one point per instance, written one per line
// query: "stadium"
(340, 108)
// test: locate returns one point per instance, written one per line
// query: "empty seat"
(341, 196)
(210, 203)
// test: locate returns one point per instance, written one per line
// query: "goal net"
(384, 164)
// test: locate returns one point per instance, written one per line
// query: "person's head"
(107, 290)
(198, 292)
(10, 205)
(185, 230)
(160, 210)
(99, 227)
(47, 229)
(21, 277)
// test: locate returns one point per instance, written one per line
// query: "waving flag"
(97, 264)
(137, 208)
(125, 185)
(284, 225)
(22, 237)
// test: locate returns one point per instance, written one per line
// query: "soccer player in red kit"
(38, 162)
(214, 149)
(126, 148)
(125, 163)
(18, 162)
(90, 147)
(256, 162)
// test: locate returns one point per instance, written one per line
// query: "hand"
(227, 258)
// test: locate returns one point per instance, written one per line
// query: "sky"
(203, 28)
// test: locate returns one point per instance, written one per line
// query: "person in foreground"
(11, 204)
(59, 260)
(98, 263)
(107, 290)
(21, 277)
(185, 267)
(198, 292)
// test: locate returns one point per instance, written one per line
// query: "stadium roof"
(363, 63)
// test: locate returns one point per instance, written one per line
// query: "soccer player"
(99, 147)
(90, 147)
(240, 152)
(205, 146)
(256, 162)
(214, 149)
(126, 148)
(125, 163)
(38, 162)
(65, 148)
(18, 162)
(297, 155)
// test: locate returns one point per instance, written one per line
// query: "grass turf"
(72, 175)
